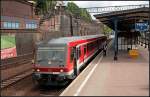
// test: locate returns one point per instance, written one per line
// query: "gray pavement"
(125, 77)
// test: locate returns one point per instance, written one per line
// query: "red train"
(60, 60)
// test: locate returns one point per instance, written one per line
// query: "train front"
(50, 66)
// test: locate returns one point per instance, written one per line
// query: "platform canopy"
(126, 18)
(123, 23)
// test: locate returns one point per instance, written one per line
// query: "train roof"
(66, 40)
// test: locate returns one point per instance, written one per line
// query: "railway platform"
(106, 77)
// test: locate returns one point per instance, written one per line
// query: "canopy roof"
(126, 18)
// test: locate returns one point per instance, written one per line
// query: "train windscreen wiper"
(39, 60)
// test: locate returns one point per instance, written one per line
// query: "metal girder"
(107, 9)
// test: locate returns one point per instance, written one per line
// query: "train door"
(82, 54)
(78, 53)
(75, 58)
(85, 51)
(77, 61)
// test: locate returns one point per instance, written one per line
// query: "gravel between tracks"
(26, 87)
(7, 73)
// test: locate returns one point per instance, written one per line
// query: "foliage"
(107, 30)
(75, 10)
(42, 7)
(84, 13)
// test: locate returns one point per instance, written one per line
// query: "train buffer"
(106, 77)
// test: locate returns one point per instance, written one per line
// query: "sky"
(85, 4)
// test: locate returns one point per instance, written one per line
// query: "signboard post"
(142, 27)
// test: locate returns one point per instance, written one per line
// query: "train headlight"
(49, 62)
(38, 70)
(61, 70)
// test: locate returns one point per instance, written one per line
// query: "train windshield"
(50, 57)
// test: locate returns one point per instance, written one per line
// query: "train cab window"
(88, 47)
(78, 53)
(85, 49)
(77, 50)
(71, 55)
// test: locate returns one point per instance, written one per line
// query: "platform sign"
(142, 26)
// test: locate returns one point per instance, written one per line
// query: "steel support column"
(145, 40)
(116, 39)
(149, 35)
(149, 44)
(131, 40)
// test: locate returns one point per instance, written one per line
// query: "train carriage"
(60, 60)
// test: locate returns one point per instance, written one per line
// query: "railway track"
(52, 90)
(16, 61)
(12, 80)
(55, 92)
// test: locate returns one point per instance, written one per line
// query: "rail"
(16, 60)
(12, 80)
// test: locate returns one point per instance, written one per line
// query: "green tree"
(85, 14)
(75, 10)
(42, 7)
(107, 30)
